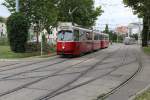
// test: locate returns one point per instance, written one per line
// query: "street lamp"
(17, 5)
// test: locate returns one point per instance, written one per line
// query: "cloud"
(115, 13)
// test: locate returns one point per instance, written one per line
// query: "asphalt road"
(57, 78)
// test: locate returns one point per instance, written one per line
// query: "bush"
(17, 27)
(34, 47)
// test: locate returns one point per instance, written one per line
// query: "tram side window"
(104, 37)
(101, 37)
(82, 36)
(96, 37)
(76, 35)
(107, 38)
(89, 36)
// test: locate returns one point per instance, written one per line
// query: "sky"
(115, 14)
(3, 10)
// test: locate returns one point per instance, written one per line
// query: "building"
(51, 38)
(122, 30)
(135, 28)
(3, 30)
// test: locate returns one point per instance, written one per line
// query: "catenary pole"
(17, 5)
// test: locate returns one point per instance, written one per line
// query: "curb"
(143, 90)
(4, 60)
(29, 58)
(140, 92)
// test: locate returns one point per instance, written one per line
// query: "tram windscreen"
(65, 36)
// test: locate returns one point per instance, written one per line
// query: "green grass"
(147, 50)
(144, 96)
(6, 53)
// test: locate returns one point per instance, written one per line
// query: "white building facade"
(51, 38)
(3, 30)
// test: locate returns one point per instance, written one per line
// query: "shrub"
(17, 27)
(34, 47)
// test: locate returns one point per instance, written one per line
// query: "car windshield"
(65, 36)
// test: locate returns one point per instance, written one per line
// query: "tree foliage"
(17, 28)
(49, 12)
(84, 13)
(43, 11)
(2, 19)
(142, 9)
(106, 29)
(41, 14)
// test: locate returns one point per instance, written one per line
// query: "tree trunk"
(37, 37)
(145, 32)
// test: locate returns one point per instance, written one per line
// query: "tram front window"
(65, 36)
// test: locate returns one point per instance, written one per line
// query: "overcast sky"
(3, 10)
(115, 14)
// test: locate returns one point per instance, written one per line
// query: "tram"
(129, 41)
(76, 41)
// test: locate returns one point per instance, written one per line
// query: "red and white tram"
(72, 40)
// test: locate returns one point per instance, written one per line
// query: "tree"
(17, 27)
(135, 36)
(49, 12)
(142, 9)
(81, 12)
(106, 29)
(43, 13)
(2, 19)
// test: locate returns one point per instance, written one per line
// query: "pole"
(17, 5)
(148, 31)
(41, 38)
(117, 38)
(41, 44)
(139, 35)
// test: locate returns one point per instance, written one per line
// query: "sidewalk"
(134, 87)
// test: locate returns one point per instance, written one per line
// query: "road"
(82, 78)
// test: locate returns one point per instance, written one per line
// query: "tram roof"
(83, 29)
(70, 26)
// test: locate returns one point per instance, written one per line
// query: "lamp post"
(17, 5)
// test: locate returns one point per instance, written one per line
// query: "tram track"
(58, 91)
(124, 63)
(38, 68)
(29, 64)
(24, 65)
(72, 81)
(90, 56)
(3, 78)
(77, 86)
(125, 82)
(65, 73)
(65, 89)
(40, 79)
